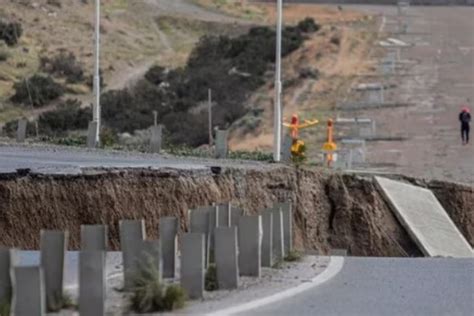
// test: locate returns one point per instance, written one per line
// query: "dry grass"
(243, 9)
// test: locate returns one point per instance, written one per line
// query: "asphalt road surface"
(388, 286)
(65, 160)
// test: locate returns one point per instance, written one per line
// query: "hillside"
(138, 35)
(135, 35)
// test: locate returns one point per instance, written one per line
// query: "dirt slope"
(331, 210)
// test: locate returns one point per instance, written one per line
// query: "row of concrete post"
(156, 138)
(237, 244)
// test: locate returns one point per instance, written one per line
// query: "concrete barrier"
(286, 148)
(92, 283)
(28, 291)
(226, 257)
(221, 144)
(94, 237)
(7, 261)
(132, 233)
(53, 246)
(91, 135)
(278, 240)
(250, 245)
(193, 264)
(169, 245)
(148, 257)
(267, 238)
(235, 214)
(287, 214)
(223, 215)
(21, 130)
(156, 138)
(200, 222)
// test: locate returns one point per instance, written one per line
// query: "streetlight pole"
(277, 109)
(96, 110)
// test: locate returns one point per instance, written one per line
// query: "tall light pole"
(277, 109)
(96, 110)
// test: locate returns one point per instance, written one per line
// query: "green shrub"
(251, 155)
(292, 256)
(156, 75)
(67, 116)
(10, 32)
(38, 91)
(175, 298)
(149, 294)
(211, 278)
(308, 25)
(64, 65)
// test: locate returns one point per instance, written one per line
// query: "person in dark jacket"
(465, 119)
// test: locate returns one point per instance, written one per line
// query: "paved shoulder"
(388, 286)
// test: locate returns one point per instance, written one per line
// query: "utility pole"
(96, 110)
(277, 109)
(209, 94)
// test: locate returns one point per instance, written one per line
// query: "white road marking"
(334, 267)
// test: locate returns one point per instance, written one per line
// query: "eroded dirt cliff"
(330, 209)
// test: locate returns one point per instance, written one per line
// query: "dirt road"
(438, 83)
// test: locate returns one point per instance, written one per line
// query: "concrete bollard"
(156, 138)
(267, 238)
(287, 214)
(53, 246)
(92, 283)
(132, 233)
(250, 236)
(221, 144)
(28, 291)
(200, 223)
(193, 264)
(278, 243)
(149, 257)
(286, 148)
(7, 261)
(235, 214)
(94, 237)
(226, 258)
(169, 245)
(92, 134)
(223, 215)
(21, 130)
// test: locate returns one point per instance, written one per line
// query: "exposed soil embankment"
(330, 210)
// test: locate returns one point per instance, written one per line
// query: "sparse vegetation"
(149, 294)
(308, 25)
(4, 309)
(10, 32)
(63, 301)
(68, 116)
(211, 278)
(63, 65)
(37, 91)
(292, 256)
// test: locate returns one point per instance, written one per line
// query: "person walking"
(465, 119)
